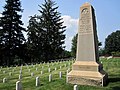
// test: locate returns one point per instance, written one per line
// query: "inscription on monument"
(85, 26)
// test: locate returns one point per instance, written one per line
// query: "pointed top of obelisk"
(86, 4)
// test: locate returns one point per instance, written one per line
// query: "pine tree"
(52, 23)
(46, 33)
(12, 37)
(74, 46)
(35, 39)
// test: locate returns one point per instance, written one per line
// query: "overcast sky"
(107, 15)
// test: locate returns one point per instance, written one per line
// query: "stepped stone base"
(87, 73)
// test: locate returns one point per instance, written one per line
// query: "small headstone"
(50, 77)
(32, 74)
(4, 80)
(67, 71)
(10, 73)
(4, 72)
(36, 69)
(75, 87)
(41, 72)
(60, 74)
(42, 67)
(33, 66)
(65, 65)
(49, 70)
(18, 85)
(20, 76)
(37, 81)
(55, 68)
(60, 67)
(20, 71)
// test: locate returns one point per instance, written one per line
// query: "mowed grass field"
(111, 66)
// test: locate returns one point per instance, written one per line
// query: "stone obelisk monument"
(87, 70)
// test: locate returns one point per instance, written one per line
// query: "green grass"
(112, 67)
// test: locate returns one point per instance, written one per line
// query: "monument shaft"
(87, 35)
(87, 70)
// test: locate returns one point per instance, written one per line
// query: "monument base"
(87, 73)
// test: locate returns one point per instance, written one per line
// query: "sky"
(107, 15)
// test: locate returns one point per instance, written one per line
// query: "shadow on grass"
(116, 88)
(113, 80)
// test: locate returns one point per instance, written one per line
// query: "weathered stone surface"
(87, 70)
(87, 66)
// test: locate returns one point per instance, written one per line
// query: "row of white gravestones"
(49, 70)
(34, 66)
(19, 84)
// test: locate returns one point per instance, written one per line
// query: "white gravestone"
(50, 77)
(18, 85)
(75, 87)
(37, 81)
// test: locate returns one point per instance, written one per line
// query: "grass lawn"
(111, 66)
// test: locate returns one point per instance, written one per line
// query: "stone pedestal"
(87, 73)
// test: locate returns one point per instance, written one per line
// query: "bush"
(116, 54)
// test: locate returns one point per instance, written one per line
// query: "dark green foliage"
(11, 35)
(36, 37)
(46, 33)
(112, 42)
(116, 54)
(101, 52)
(74, 46)
(66, 54)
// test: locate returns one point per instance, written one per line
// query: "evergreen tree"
(11, 35)
(74, 46)
(112, 43)
(46, 33)
(36, 38)
(52, 24)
